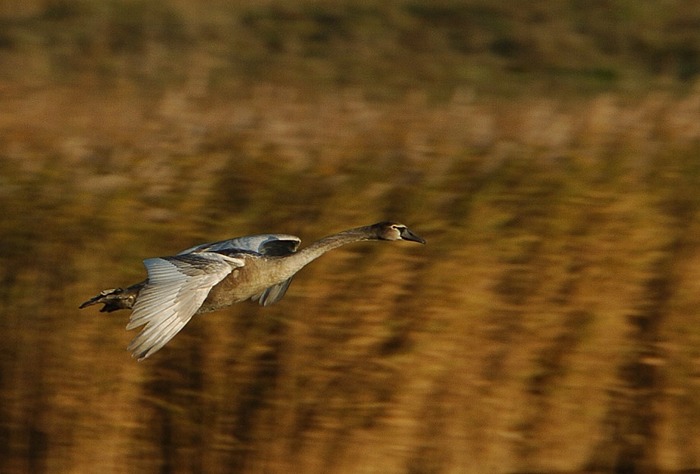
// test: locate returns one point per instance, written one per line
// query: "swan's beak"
(406, 234)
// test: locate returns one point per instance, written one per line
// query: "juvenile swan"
(216, 275)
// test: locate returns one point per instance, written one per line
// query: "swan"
(213, 276)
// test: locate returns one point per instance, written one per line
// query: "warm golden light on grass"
(506, 336)
(549, 157)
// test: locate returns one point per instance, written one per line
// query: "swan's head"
(394, 231)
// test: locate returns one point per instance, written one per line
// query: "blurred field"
(550, 324)
(385, 47)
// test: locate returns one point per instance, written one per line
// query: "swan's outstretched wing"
(176, 288)
(264, 244)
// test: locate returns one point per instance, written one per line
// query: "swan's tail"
(115, 298)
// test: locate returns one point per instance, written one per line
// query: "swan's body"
(212, 276)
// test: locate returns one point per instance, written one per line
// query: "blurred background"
(549, 151)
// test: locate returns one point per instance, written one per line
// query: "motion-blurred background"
(549, 151)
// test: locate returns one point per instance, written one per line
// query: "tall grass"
(549, 154)
(548, 325)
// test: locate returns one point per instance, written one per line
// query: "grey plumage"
(215, 275)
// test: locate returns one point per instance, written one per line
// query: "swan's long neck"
(303, 257)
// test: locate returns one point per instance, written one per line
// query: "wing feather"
(176, 288)
(272, 294)
(264, 244)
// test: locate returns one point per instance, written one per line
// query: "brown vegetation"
(550, 324)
